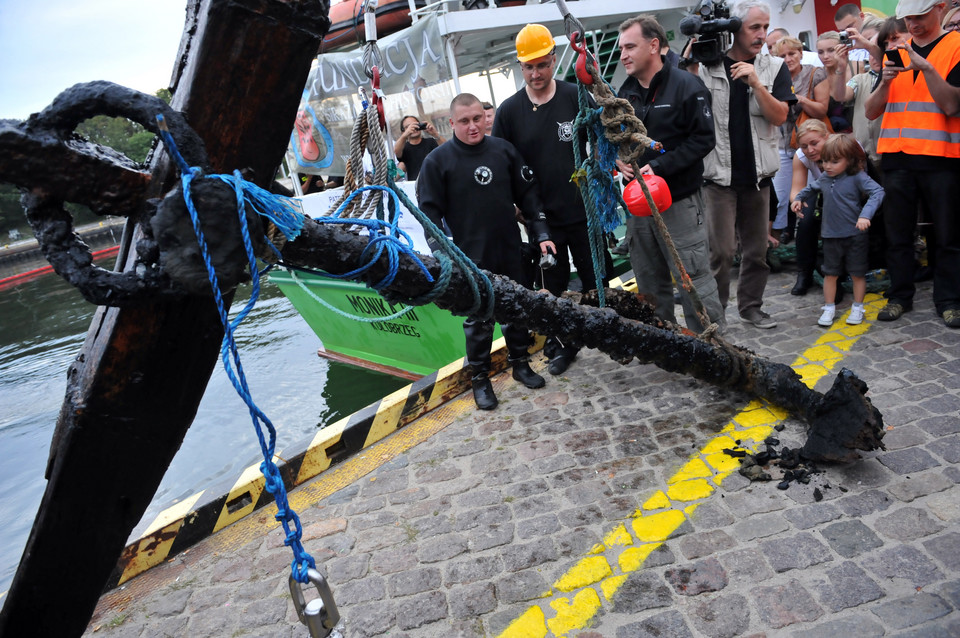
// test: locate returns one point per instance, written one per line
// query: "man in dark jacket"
(472, 183)
(675, 108)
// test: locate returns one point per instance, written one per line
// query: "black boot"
(525, 375)
(483, 394)
(560, 363)
(804, 281)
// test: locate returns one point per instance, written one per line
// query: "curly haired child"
(844, 185)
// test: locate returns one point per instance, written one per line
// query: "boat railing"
(603, 45)
(443, 6)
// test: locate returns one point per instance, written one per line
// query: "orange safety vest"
(912, 121)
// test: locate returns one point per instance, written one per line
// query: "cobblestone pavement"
(603, 505)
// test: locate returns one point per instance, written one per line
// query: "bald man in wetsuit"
(472, 183)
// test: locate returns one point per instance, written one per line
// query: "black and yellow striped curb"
(199, 516)
(204, 513)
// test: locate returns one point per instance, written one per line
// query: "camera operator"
(675, 108)
(411, 148)
(752, 93)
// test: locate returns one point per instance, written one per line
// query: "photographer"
(849, 20)
(411, 148)
(752, 93)
(675, 108)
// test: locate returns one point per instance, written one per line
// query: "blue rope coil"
(384, 235)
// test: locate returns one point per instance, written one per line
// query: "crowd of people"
(850, 145)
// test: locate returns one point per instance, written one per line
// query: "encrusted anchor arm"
(71, 170)
(52, 165)
(668, 347)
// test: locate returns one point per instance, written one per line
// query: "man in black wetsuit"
(538, 121)
(472, 184)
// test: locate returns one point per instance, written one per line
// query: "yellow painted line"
(597, 577)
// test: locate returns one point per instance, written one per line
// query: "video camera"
(711, 21)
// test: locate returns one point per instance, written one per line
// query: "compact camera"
(845, 38)
(547, 260)
(422, 126)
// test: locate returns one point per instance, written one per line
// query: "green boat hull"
(413, 345)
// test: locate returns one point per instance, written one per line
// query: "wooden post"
(134, 389)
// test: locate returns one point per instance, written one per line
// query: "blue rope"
(384, 235)
(598, 190)
(282, 211)
(302, 560)
(289, 220)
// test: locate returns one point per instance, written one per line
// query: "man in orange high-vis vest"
(920, 157)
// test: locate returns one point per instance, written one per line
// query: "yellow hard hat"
(533, 41)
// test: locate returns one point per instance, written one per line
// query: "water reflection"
(43, 324)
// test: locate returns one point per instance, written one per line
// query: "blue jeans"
(781, 186)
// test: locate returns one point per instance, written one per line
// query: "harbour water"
(43, 323)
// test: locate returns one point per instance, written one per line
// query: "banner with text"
(415, 79)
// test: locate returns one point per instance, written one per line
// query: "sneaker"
(952, 318)
(826, 319)
(759, 319)
(856, 315)
(892, 311)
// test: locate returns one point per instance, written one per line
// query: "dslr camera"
(712, 22)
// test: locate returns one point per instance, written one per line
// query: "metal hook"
(378, 97)
(578, 43)
(320, 615)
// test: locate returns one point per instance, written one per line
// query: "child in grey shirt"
(844, 185)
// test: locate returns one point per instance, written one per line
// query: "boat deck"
(603, 505)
